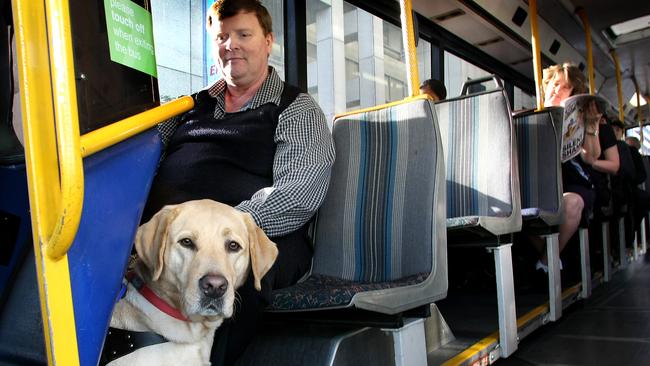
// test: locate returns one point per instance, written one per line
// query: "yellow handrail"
(537, 54)
(44, 62)
(590, 60)
(408, 39)
(104, 137)
(68, 213)
(619, 88)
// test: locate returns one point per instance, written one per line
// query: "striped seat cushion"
(377, 221)
(477, 141)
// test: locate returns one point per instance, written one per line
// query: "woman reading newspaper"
(582, 147)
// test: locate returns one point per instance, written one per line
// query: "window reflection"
(355, 59)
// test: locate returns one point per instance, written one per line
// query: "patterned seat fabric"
(326, 292)
(462, 222)
(381, 225)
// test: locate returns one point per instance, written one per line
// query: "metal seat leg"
(554, 278)
(585, 263)
(506, 299)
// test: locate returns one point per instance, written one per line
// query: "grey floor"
(610, 328)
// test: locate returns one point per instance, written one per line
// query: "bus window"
(183, 52)
(457, 71)
(110, 87)
(635, 132)
(523, 100)
(355, 59)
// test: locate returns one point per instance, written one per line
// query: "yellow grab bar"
(590, 59)
(619, 88)
(112, 134)
(408, 39)
(537, 54)
(66, 120)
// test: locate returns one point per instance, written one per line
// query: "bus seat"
(15, 224)
(481, 165)
(483, 203)
(540, 175)
(540, 178)
(21, 326)
(379, 237)
(117, 183)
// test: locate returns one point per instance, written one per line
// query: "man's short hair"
(435, 86)
(618, 123)
(633, 141)
(224, 9)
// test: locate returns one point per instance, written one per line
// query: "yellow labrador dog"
(192, 258)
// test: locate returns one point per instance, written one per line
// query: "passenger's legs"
(572, 204)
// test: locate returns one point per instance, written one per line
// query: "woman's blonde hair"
(572, 74)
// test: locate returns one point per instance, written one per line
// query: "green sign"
(130, 35)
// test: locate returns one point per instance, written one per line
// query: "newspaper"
(573, 128)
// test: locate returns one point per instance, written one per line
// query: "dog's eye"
(233, 246)
(186, 242)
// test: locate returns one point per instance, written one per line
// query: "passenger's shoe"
(539, 265)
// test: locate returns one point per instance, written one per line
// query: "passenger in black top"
(255, 143)
(608, 163)
(626, 183)
(641, 197)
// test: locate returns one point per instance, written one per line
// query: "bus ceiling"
(502, 30)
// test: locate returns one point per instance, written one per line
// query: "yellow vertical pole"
(45, 72)
(408, 39)
(619, 87)
(590, 60)
(537, 54)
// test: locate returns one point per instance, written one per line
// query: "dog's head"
(201, 252)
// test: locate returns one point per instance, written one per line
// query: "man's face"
(427, 90)
(240, 48)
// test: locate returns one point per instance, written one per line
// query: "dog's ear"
(263, 251)
(151, 239)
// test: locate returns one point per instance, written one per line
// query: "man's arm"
(301, 170)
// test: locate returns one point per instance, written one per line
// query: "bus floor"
(612, 327)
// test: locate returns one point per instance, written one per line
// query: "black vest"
(227, 159)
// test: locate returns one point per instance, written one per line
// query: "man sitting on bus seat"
(434, 88)
(255, 143)
(559, 83)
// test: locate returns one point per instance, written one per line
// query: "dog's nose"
(213, 286)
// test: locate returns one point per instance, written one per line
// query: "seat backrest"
(480, 152)
(116, 185)
(383, 217)
(538, 146)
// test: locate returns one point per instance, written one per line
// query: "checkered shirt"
(302, 164)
